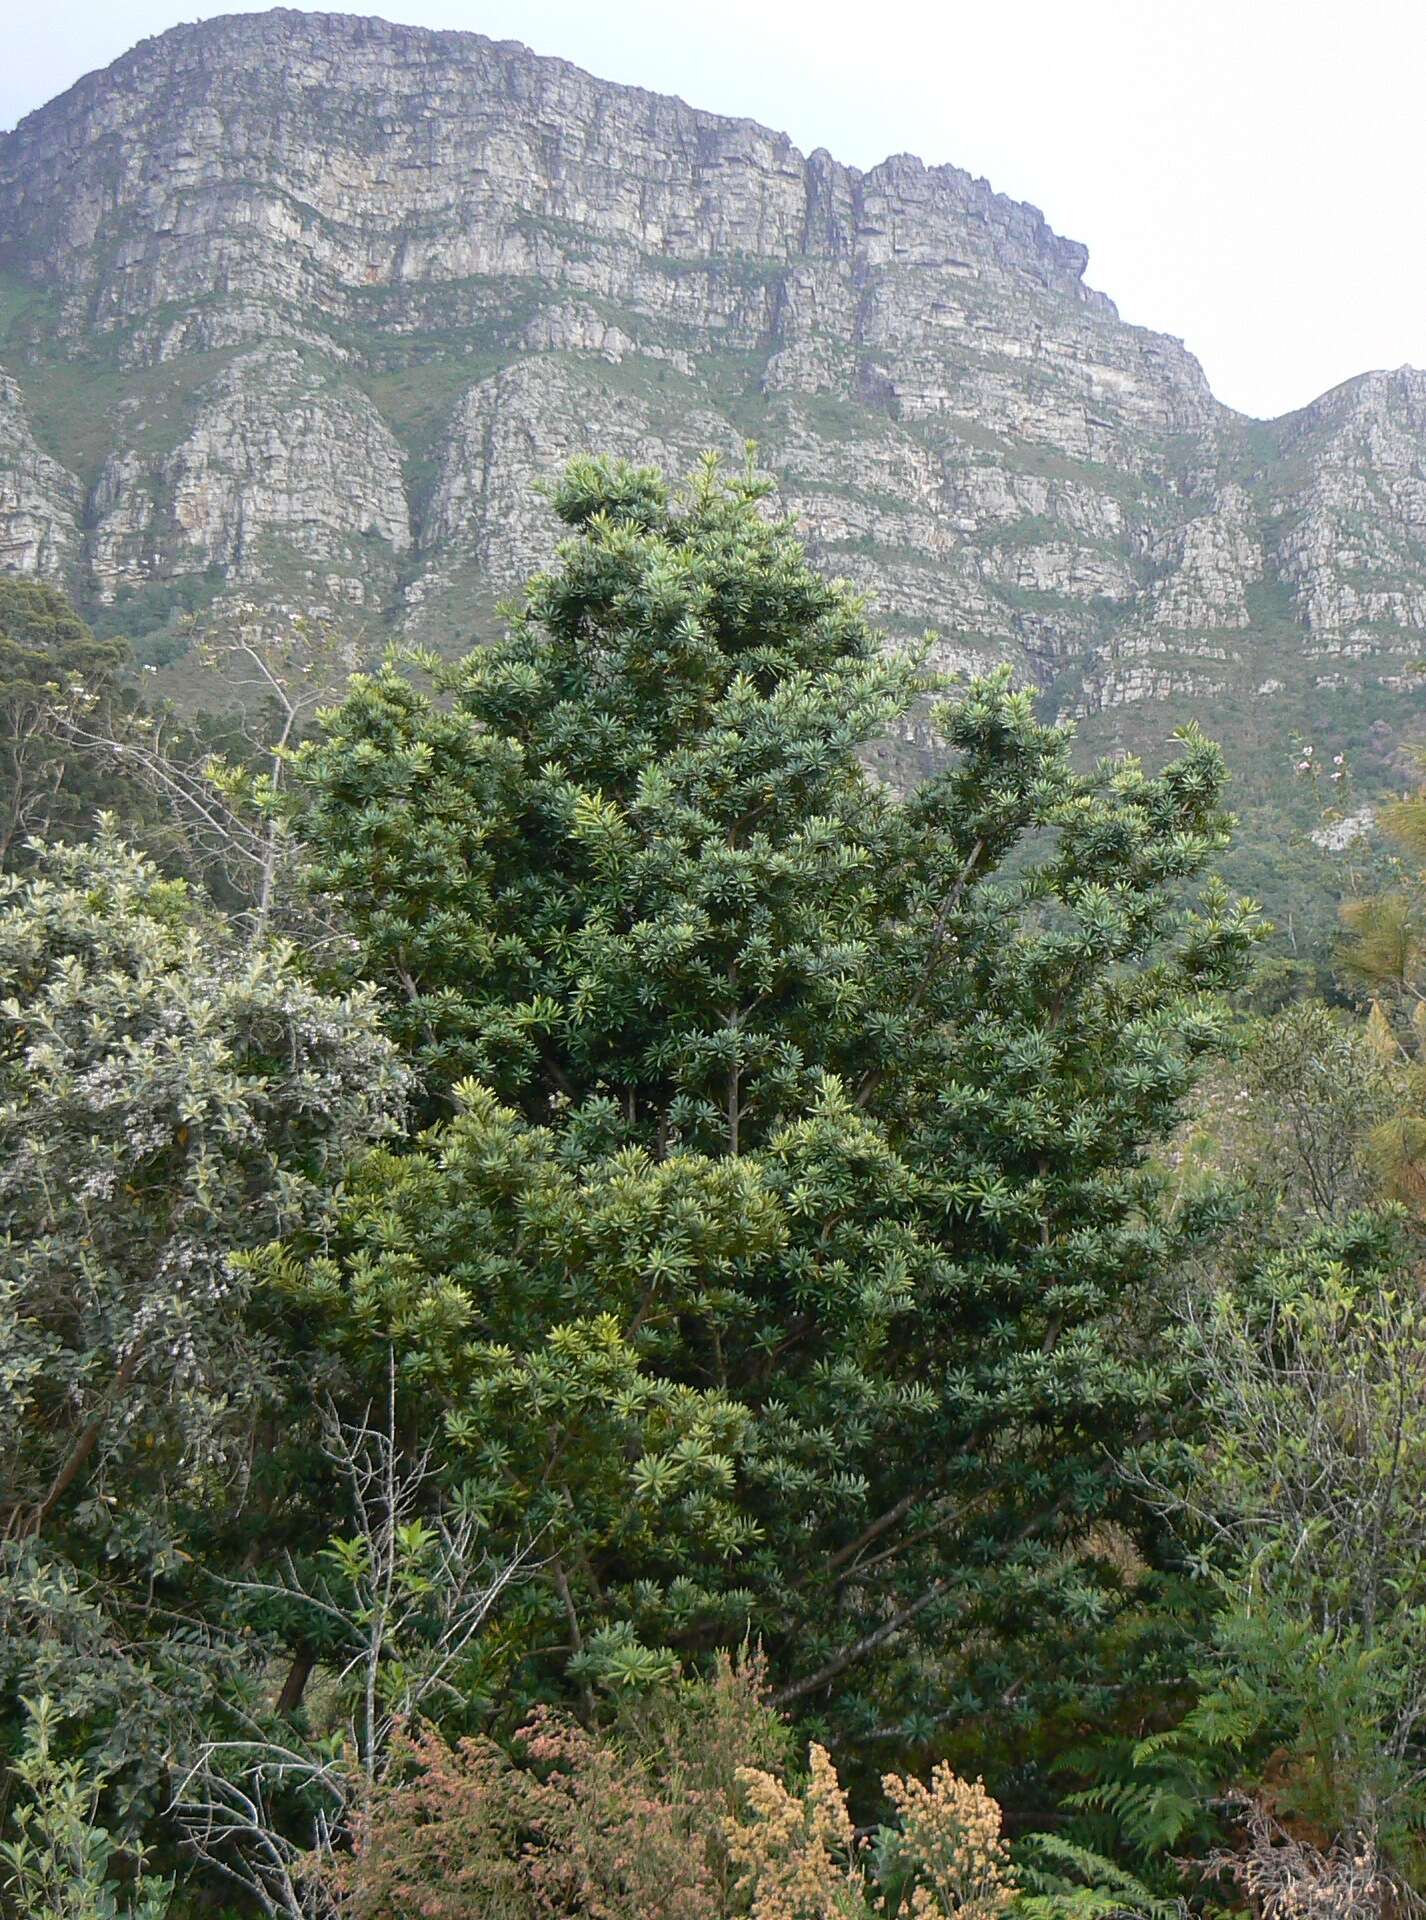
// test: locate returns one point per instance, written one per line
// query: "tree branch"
(859, 1649)
(938, 948)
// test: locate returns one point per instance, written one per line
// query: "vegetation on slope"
(627, 1309)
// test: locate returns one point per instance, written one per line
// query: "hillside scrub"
(724, 1339)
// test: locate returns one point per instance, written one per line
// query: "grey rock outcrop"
(278, 469)
(39, 501)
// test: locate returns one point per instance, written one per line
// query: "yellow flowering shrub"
(799, 1856)
(949, 1847)
(797, 1853)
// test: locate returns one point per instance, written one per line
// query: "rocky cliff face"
(300, 306)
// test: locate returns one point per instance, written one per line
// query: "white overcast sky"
(1247, 174)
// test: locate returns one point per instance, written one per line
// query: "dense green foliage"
(166, 1101)
(688, 1195)
(45, 649)
(778, 1263)
(1311, 1485)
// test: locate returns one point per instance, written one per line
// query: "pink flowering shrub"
(684, 1812)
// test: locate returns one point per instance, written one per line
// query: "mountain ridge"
(297, 309)
(221, 26)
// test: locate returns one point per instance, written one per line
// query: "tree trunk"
(295, 1685)
(88, 1439)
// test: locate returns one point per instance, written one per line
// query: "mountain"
(297, 308)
